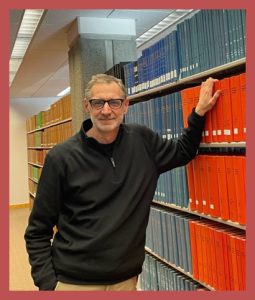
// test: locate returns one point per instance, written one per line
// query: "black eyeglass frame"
(101, 103)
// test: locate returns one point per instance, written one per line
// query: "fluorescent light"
(64, 92)
(27, 29)
(174, 17)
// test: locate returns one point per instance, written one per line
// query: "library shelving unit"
(194, 239)
(44, 130)
(162, 208)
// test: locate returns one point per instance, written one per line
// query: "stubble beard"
(107, 128)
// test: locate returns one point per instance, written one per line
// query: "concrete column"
(91, 53)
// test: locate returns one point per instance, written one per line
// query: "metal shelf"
(34, 164)
(223, 145)
(219, 220)
(177, 268)
(193, 80)
(50, 125)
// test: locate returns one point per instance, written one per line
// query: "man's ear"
(125, 105)
(86, 105)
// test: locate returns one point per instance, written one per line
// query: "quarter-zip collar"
(92, 142)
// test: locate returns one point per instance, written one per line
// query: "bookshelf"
(211, 245)
(44, 131)
(219, 72)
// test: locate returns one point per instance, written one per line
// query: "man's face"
(106, 119)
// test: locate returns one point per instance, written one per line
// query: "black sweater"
(100, 204)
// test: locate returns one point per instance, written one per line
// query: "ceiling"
(44, 70)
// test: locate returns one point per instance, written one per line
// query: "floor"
(19, 276)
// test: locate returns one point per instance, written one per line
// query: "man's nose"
(106, 108)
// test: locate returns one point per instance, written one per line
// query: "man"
(97, 187)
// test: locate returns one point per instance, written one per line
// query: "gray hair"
(104, 78)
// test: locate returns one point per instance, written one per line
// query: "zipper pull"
(112, 161)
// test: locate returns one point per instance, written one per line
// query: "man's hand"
(206, 98)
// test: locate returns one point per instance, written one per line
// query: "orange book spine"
(193, 245)
(214, 115)
(239, 164)
(242, 252)
(204, 253)
(208, 138)
(213, 192)
(233, 258)
(204, 184)
(185, 106)
(214, 279)
(226, 110)
(232, 197)
(219, 114)
(236, 108)
(197, 184)
(209, 254)
(199, 251)
(220, 261)
(239, 261)
(225, 259)
(243, 102)
(191, 187)
(196, 93)
(222, 185)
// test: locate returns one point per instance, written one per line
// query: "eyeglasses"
(99, 103)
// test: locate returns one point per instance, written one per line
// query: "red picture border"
(4, 148)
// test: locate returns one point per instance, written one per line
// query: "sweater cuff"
(196, 115)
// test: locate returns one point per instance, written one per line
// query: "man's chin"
(107, 127)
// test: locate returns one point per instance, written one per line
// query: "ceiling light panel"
(27, 29)
(175, 16)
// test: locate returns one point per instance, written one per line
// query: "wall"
(20, 110)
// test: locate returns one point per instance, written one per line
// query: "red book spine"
(197, 184)
(219, 114)
(191, 187)
(233, 258)
(236, 108)
(199, 252)
(204, 184)
(239, 164)
(227, 110)
(213, 191)
(193, 245)
(214, 116)
(243, 102)
(185, 106)
(220, 261)
(222, 185)
(232, 197)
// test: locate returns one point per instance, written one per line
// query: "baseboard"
(21, 205)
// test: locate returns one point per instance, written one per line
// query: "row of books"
(162, 114)
(172, 188)
(212, 37)
(211, 252)
(216, 185)
(168, 236)
(226, 122)
(208, 39)
(157, 276)
(34, 172)
(58, 111)
(118, 71)
(37, 156)
(218, 255)
(50, 136)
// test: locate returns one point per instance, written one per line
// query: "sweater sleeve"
(39, 231)
(169, 154)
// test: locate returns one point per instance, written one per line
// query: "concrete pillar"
(94, 47)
